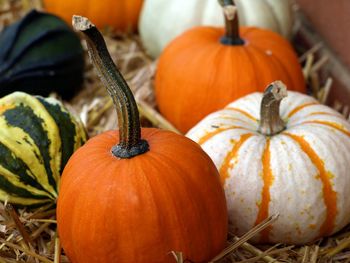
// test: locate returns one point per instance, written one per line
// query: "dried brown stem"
(270, 119)
(130, 143)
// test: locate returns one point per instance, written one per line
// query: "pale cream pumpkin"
(161, 21)
(296, 165)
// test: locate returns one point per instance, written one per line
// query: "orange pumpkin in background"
(120, 14)
(206, 68)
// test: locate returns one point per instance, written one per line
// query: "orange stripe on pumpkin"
(242, 112)
(234, 119)
(210, 135)
(333, 125)
(227, 165)
(329, 195)
(300, 107)
(265, 195)
(323, 113)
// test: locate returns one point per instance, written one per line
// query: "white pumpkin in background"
(296, 165)
(163, 20)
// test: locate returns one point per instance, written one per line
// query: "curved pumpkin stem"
(231, 24)
(270, 119)
(128, 115)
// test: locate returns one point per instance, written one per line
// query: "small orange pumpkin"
(139, 199)
(206, 68)
(119, 14)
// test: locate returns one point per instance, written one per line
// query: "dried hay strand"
(30, 235)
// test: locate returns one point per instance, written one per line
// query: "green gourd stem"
(270, 119)
(130, 144)
(231, 36)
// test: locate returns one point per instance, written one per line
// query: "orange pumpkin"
(119, 14)
(126, 199)
(206, 68)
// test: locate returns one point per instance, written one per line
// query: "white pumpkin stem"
(270, 119)
(232, 36)
(130, 143)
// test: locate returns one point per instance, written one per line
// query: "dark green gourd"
(40, 54)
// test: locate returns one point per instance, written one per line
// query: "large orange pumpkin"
(206, 68)
(126, 199)
(119, 14)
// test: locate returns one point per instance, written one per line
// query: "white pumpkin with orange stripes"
(289, 157)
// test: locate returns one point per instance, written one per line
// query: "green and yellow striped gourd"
(37, 137)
